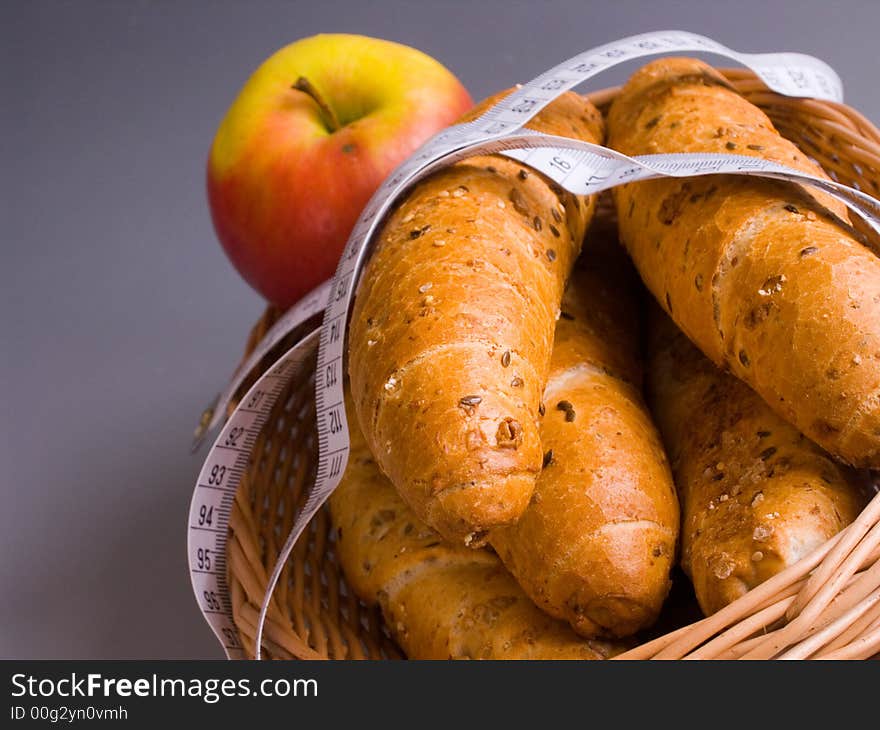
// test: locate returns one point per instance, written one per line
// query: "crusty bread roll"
(766, 281)
(452, 329)
(440, 601)
(597, 542)
(756, 494)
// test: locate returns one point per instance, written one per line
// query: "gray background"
(120, 315)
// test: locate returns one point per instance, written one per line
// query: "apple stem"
(330, 118)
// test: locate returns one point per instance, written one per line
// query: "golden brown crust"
(596, 544)
(452, 329)
(764, 279)
(440, 601)
(756, 494)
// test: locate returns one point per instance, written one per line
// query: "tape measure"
(579, 167)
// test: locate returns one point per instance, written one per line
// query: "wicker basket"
(827, 605)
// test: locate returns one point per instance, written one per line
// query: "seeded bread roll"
(756, 494)
(597, 542)
(452, 329)
(765, 280)
(440, 601)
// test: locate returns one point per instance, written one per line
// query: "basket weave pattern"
(828, 605)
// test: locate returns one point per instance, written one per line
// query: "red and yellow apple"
(311, 136)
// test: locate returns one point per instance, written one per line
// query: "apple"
(309, 139)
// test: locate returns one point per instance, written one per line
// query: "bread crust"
(768, 280)
(452, 329)
(597, 542)
(440, 601)
(756, 494)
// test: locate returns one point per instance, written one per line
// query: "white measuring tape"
(580, 167)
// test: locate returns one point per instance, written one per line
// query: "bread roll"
(597, 542)
(452, 329)
(440, 601)
(756, 495)
(767, 282)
